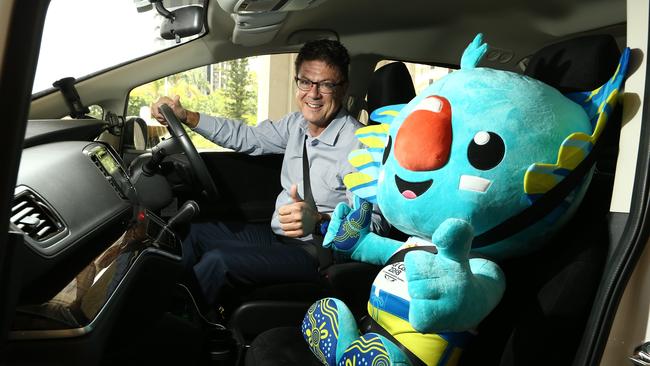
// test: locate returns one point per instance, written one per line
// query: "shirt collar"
(332, 130)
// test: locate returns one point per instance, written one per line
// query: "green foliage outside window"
(240, 98)
(236, 99)
(96, 112)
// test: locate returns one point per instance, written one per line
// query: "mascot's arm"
(349, 233)
(449, 291)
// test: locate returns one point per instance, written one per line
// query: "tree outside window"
(233, 94)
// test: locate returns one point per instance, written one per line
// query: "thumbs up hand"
(298, 218)
(293, 193)
(450, 291)
(348, 226)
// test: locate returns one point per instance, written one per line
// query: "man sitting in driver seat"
(245, 254)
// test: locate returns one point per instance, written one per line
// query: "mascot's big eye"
(386, 150)
(486, 150)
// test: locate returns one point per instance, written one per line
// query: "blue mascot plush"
(458, 168)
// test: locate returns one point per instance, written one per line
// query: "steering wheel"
(196, 162)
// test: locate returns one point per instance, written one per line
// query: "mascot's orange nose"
(423, 141)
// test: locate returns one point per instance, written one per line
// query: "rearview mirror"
(182, 22)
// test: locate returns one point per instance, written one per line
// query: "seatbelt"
(306, 182)
(546, 203)
(324, 255)
(399, 255)
(374, 327)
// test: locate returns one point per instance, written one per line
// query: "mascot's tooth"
(474, 183)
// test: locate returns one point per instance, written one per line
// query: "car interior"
(97, 205)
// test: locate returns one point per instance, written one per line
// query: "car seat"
(549, 294)
(542, 316)
(390, 84)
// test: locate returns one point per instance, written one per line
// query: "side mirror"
(182, 22)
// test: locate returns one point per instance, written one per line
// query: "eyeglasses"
(324, 87)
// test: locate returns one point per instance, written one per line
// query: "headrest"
(578, 64)
(390, 84)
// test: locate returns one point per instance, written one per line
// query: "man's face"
(317, 107)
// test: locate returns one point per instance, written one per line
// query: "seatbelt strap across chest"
(306, 182)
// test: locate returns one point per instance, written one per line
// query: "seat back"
(578, 64)
(549, 294)
(390, 84)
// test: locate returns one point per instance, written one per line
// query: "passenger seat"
(542, 316)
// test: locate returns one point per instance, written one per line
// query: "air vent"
(32, 215)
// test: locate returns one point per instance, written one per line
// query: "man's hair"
(333, 53)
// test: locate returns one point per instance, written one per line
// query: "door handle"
(641, 356)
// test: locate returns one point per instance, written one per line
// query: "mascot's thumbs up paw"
(442, 286)
(347, 226)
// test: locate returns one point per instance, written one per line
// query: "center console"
(75, 309)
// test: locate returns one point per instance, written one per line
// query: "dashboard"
(81, 184)
(71, 202)
(84, 235)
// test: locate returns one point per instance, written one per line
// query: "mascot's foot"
(331, 332)
(373, 349)
(329, 327)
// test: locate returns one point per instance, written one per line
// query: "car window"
(96, 111)
(67, 52)
(250, 90)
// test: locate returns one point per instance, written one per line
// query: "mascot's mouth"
(411, 190)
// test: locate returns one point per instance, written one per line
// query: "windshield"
(82, 37)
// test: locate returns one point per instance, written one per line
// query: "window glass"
(249, 90)
(96, 111)
(81, 37)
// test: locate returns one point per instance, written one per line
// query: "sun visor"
(258, 21)
(265, 6)
(256, 29)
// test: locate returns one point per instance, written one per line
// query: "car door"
(621, 319)
(20, 25)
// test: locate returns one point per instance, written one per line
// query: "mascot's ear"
(473, 53)
(386, 114)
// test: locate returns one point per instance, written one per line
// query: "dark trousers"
(242, 254)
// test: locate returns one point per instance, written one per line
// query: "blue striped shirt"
(327, 153)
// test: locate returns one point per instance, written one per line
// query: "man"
(236, 254)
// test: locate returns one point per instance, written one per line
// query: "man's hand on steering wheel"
(167, 111)
(190, 118)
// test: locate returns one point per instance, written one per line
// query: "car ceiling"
(433, 31)
(420, 30)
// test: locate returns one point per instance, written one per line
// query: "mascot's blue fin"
(598, 104)
(386, 114)
(473, 53)
(363, 183)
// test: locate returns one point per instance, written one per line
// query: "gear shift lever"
(184, 214)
